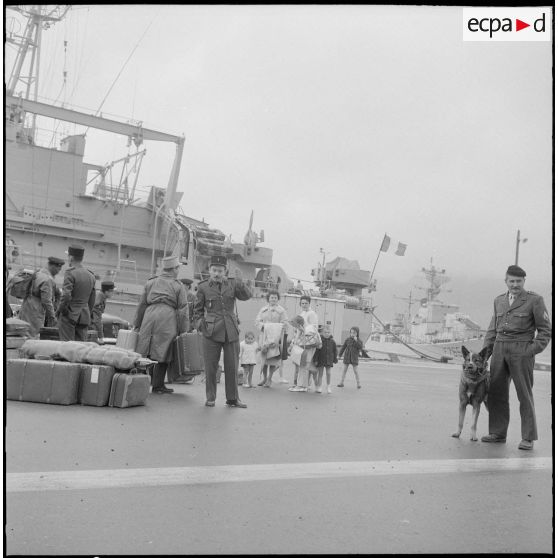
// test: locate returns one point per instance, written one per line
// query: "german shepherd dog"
(473, 387)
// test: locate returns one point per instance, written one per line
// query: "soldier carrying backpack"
(38, 291)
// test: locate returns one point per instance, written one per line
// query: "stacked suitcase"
(67, 383)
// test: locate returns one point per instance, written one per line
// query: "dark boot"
(158, 379)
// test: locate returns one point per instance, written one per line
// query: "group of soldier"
(73, 310)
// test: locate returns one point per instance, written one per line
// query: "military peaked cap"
(107, 284)
(218, 260)
(76, 250)
(515, 271)
(170, 262)
(56, 261)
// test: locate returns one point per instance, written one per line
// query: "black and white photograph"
(278, 279)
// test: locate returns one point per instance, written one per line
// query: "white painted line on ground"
(166, 476)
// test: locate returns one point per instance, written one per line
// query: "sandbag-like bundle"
(75, 351)
(40, 349)
(113, 356)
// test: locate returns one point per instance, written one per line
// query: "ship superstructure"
(54, 196)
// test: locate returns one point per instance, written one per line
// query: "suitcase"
(15, 342)
(127, 339)
(12, 353)
(43, 381)
(129, 390)
(187, 358)
(96, 382)
(49, 333)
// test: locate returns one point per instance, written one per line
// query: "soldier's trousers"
(70, 331)
(510, 361)
(211, 354)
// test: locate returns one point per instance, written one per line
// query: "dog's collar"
(480, 379)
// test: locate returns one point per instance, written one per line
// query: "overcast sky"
(336, 124)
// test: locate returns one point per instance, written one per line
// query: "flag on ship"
(396, 246)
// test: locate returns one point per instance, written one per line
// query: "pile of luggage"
(70, 372)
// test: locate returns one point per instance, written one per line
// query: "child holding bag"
(305, 341)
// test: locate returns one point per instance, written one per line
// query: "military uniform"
(76, 303)
(215, 317)
(160, 316)
(38, 308)
(511, 340)
(97, 313)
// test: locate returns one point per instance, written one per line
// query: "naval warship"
(54, 197)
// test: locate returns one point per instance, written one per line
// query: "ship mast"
(39, 17)
(435, 278)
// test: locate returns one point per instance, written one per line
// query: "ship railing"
(16, 258)
(127, 271)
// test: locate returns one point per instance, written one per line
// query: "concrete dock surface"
(368, 471)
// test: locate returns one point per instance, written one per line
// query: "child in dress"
(325, 357)
(351, 347)
(272, 335)
(248, 357)
(307, 339)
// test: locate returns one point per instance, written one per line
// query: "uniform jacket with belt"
(78, 295)
(214, 310)
(520, 321)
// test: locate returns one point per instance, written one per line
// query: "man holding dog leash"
(511, 340)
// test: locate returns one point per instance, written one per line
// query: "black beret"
(186, 281)
(107, 284)
(515, 271)
(56, 261)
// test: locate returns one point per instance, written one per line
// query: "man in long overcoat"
(160, 317)
(78, 298)
(38, 308)
(215, 316)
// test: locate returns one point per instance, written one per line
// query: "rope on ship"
(420, 353)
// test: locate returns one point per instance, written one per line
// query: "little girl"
(271, 351)
(308, 339)
(325, 357)
(351, 347)
(248, 357)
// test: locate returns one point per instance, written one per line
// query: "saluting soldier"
(215, 317)
(160, 317)
(511, 339)
(106, 292)
(77, 299)
(39, 307)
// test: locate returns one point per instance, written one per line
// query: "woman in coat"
(160, 317)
